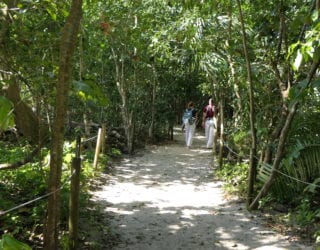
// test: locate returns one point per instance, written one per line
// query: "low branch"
(18, 164)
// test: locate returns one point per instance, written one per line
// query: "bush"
(235, 177)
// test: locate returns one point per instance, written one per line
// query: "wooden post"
(98, 147)
(74, 198)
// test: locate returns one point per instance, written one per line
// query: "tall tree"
(253, 149)
(301, 84)
(67, 45)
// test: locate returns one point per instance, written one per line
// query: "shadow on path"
(168, 199)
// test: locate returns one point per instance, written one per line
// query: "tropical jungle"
(85, 82)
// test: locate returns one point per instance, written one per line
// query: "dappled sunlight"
(228, 239)
(174, 228)
(169, 199)
(191, 213)
(176, 193)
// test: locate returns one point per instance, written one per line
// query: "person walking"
(189, 121)
(209, 122)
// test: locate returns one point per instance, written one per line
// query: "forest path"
(168, 199)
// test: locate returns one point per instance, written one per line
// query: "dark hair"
(190, 104)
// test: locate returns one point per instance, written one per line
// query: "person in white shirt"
(190, 123)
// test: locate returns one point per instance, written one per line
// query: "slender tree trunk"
(289, 115)
(127, 115)
(282, 141)
(221, 141)
(268, 151)
(284, 84)
(253, 149)
(153, 105)
(233, 78)
(235, 84)
(278, 157)
(86, 122)
(67, 45)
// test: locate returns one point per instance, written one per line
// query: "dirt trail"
(168, 199)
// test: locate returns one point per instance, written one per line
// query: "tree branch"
(18, 164)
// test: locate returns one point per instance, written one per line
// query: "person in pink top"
(209, 122)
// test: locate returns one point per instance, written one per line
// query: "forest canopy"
(68, 67)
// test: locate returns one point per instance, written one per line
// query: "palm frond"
(300, 169)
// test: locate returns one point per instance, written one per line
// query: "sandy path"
(168, 199)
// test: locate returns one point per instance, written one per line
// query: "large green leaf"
(90, 91)
(6, 113)
(300, 167)
(316, 84)
(10, 243)
(298, 92)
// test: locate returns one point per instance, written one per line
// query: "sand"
(167, 197)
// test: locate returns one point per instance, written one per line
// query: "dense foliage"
(137, 63)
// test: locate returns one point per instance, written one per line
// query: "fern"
(303, 166)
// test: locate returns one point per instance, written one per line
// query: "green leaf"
(90, 91)
(52, 10)
(10, 243)
(316, 83)
(315, 15)
(6, 113)
(299, 91)
(298, 60)
(313, 186)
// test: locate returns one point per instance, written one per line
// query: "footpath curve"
(167, 198)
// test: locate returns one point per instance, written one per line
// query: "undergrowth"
(29, 182)
(235, 177)
(301, 217)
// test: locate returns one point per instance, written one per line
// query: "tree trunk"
(233, 78)
(153, 105)
(67, 45)
(278, 157)
(221, 142)
(25, 119)
(127, 115)
(284, 84)
(253, 149)
(238, 109)
(286, 124)
(268, 151)
(282, 141)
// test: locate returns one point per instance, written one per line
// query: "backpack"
(188, 117)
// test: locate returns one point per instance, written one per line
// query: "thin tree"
(282, 141)
(284, 130)
(67, 45)
(253, 149)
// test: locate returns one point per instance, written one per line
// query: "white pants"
(189, 133)
(210, 131)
